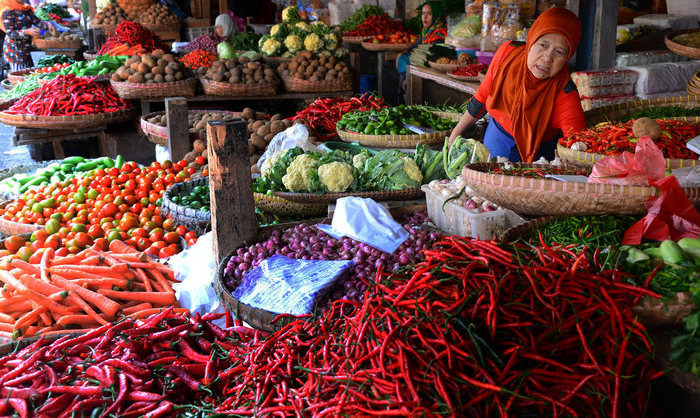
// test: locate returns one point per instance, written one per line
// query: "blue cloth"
(403, 62)
(501, 144)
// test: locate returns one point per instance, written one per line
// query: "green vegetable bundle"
(45, 11)
(425, 52)
(245, 41)
(390, 121)
(197, 199)
(359, 16)
(660, 112)
(102, 64)
(51, 60)
(463, 151)
(27, 86)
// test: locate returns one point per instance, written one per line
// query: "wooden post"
(604, 34)
(231, 190)
(178, 128)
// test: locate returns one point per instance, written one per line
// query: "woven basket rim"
(442, 67)
(128, 90)
(198, 215)
(162, 133)
(218, 88)
(61, 122)
(370, 46)
(681, 49)
(463, 77)
(357, 40)
(406, 194)
(41, 43)
(588, 159)
(592, 115)
(293, 84)
(279, 206)
(520, 231)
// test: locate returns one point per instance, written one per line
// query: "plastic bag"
(295, 136)
(643, 167)
(687, 176)
(467, 27)
(670, 216)
(284, 285)
(366, 221)
(162, 153)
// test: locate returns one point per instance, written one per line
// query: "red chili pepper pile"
(538, 172)
(470, 71)
(376, 25)
(131, 33)
(614, 138)
(199, 58)
(70, 95)
(323, 114)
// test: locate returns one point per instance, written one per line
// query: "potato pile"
(307, 66)
(239, 71)
(110, 15)
(197, 121)
(157, 14)
(65, 36)
(158, 67)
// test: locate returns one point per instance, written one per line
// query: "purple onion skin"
(206, 42)
(309, 243)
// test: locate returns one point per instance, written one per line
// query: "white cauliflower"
(412, 169)
(340, 52)
(303, 26)
(298, 176)
(274, 29)
(293, 43)
(336, 176)
(271, 46)
(270, 162)
(358, 161)
(312, 42)
(330, 41)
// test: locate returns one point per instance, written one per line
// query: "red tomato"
(190, 234)
(14, 243)
(109, 210)
(166, 252)
(53, 241)
(200, 160)
(101, 244)
(171, 237)
(181, 230)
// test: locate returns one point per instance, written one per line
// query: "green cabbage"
(225, 51)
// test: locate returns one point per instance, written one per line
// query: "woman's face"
(426, 15)
(220, 31)
(548, 55)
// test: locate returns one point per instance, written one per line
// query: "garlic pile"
(467, 199)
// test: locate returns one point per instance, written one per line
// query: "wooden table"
(425, 83)
(107, 146)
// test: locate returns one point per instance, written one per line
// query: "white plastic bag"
(162, 153)
(295, 136)
(366, 221)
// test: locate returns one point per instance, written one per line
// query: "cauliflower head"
(291, 14)
(271, 161)
(274, 29)
(312, 42)
(293, 43)
(358, 161)
(330, 41)
(336, 176)
(412, 169)
(325, 53)
(270, 46)
(340, 52)
(303, 27)
(298, 177)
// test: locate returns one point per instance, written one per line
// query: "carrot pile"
(125, 49)
(84, 290)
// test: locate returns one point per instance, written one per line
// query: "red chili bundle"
(614, 138)
(376, 25)
(199, 58)
(323, 114)
(131, 33)
(69, 95)
(477, 329)
(470, 71)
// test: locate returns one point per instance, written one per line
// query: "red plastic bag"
(670, 216)
(643, 166)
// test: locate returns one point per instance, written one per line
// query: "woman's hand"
(32, 32)
(53, 31)
(464, 124)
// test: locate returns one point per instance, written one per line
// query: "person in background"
(224, 26)
(528, 91)
(20, 25)
(434, 31)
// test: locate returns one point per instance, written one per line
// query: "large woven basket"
(588, 159)
(162, 28)
(127, 90)
(159, 134)
(370, 46)
(532, 196)
(65, 122)
(442, 67)
(407, 194)
(287, 208)
(296, 85)
(469, 79)
(55, 44)
(194, 220)
(681, 49)
(8, 227)
(613, 113)
(275, 61)
(399, 141)
(355, 40)
(216, 88)
(22, 168)
(19, 76)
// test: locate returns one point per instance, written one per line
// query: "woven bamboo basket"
(127, 90)
(407, 194)
(524, 231)
(194, 220)
(588, 159)
(10, 346)
(216, 88)
(41, 43)
(275, 61)
(661, 338)
(65, 122)
(681, 49)
(175, 26)
(400, 141)
(296, 85)
(463, 77)
(370, 46)
(531, 196)
(283, 207)
(19, 76)
(23, 168)
(356, 40)
(159, 134)
(613, 113)
(443, 67)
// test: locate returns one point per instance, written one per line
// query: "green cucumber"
(635, 255)
(37, 181)
(691, 246)
(73, 160)
(86, 166)
(119, 162)
(67, 168)
(653, 252)
(671, 253)
(108, 162)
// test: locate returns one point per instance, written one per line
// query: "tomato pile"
(395, 38)
(52, 69)
(105, 205)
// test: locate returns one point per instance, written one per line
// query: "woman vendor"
(20, 25)
(225, 27)
(434, 31)
(528, 91)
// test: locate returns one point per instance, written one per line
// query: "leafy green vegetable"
(594, 230)
(225, 51)
(385, 171)
(658, 112)
(45, 11)
(360, 16)
(245, 41)
(430, 163)
(51, 60)
(273, 181)
(462, 152)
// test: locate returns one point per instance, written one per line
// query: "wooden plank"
(107, 145)
(231, 190)
(178, 128)
(605, 34)
(414, 88)
(58, 150)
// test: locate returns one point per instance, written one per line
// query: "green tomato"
(79, 198)
(37, 208)
(114, 234)
(92, 194)
(57, 216)
(52, 226)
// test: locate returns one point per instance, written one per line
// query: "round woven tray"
(283, 207)
(296, 85)
(65, 122)
(443, 67)
(127, 90)
(613, 113)
(463, 77)
(407, 194)
(399, 141)
(681, 49)
(216, 88)
(275, 61)
(588, 159)
(9, 347)
(19, 76)
(531, 196)
(194, 220)
(159, 134)
(22, 168)
(370, 46)
(524, 231)
(41, 43)
(356, 40)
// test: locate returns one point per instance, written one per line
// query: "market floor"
(10, 155)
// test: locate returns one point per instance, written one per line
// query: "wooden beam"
(605, 34)
(230, 185)
(178, 128)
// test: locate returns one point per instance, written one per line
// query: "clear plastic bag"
(645, 166)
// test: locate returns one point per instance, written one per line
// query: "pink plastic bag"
(646, 165)
(671, 216)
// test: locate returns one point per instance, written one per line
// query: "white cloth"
(225, 22)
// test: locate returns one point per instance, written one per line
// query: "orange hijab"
(6, 5)
(528, 100)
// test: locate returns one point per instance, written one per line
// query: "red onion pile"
(309, 243)
(206, 42)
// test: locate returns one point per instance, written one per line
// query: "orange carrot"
(91, 261)
(161, 298)
(136, 308)
(69, 259)
(160, 279)
(146, 281)
(105, 304)
(46, 258)
(10, 280)
(8, 319)
(45, 288)
(44, 301)
(30, 317)
(17, 303)
(99, 270)
(28, 268)
(132, 257)
(78, 320)
(105, 283)
(120, 248)
(6, 327)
